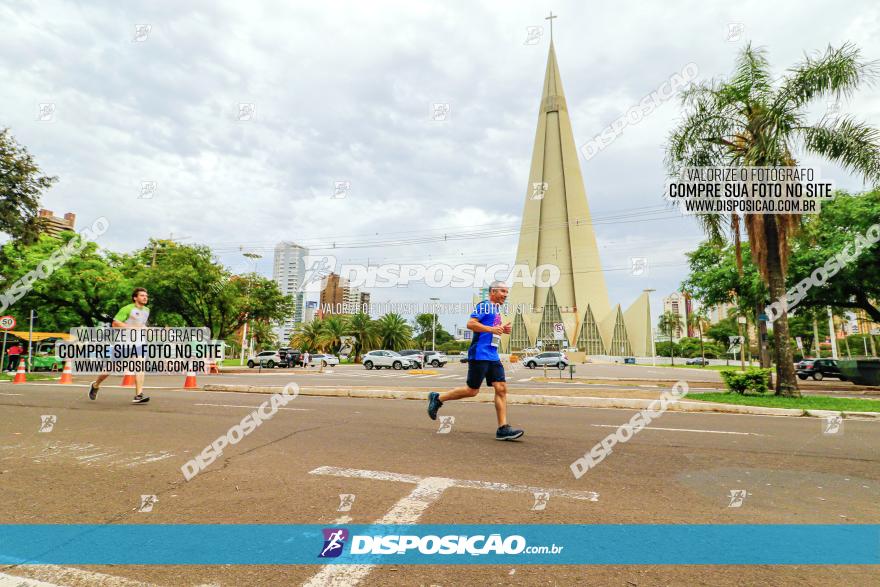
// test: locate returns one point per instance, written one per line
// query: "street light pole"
(433, 321)
(31, 344)
(833, 335)
(651, 329)
(244, 332)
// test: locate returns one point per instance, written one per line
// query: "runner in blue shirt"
(483, 361)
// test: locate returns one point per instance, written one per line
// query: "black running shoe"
(434, 404)
(508, 433)
(140, 399)
(93, 391)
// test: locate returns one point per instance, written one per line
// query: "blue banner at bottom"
(538, 544)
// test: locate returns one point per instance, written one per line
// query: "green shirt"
(132, 315)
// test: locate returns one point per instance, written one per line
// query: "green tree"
(84, 290)
(423, 325)
(393, 332)
(308, 339)
(332, 329)
(670, 322)
(21, 185)
(363, 328)
(746, 121)
(188, 287)
(840, 224)
(263, 334)
(699, 321)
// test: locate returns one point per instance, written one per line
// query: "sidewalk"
(580, 398)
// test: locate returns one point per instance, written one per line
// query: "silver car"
(387, 359)
(549, 358)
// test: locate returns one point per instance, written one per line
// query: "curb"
(554, 400)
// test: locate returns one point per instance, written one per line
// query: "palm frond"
(751, 81)
(838, 73)
(852, 144)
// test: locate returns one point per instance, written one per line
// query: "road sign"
(735, 343)
(800, 343)
(7, 322)
(558, 331)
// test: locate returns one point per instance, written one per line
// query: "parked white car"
(265, 359)
(435, 358)
(325, 360)
(550, 358)
(387, 359)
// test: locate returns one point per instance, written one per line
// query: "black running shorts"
(491, 371)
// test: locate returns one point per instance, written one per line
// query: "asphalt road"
(101, 456)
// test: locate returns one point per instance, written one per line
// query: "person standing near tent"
(14, 354)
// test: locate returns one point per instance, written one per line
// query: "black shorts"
(491, 371)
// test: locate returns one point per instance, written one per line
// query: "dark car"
(803, 363)
(697, 361)
(818, 369)
(290, 358)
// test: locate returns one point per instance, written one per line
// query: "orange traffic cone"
(128, 380)
(20, 376)
(213, 368)
(67, 374)
(190, 381)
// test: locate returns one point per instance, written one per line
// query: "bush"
(752, 380)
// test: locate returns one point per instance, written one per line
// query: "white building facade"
(288, 271)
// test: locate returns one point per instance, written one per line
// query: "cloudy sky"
(343, 91)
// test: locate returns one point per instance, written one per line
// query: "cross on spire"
(550, 18)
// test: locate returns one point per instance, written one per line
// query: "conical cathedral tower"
(557, 231)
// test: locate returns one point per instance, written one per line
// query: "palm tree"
(308, 339)
(670, 322)
(749, 120)
(393, 332)
(363, 328)
(699, 320)
(332, 329)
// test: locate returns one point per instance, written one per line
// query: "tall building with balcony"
(288, 271)
(679, 303)
(339, 297)
(53, 226)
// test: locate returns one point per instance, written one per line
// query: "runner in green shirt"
(133, 315)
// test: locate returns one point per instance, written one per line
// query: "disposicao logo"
(334, 541)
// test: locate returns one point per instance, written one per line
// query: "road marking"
(253, 407)
(57, 576)
(10, 394)
(406, 511)
(685, 430)
(447, 376)
(526, 379)
(409, 509)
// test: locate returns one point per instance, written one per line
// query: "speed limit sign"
(7, 322)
